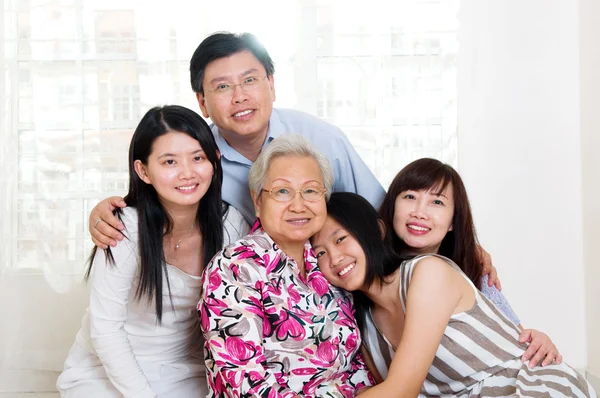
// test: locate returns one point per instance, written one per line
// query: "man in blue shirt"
(233, 78)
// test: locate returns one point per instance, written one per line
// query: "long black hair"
(153, 220)
(460, 244)
(360, 219)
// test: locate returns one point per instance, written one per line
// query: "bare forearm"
(387, 390)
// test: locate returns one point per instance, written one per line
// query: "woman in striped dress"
(448, 339)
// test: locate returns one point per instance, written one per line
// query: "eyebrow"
(278, 179)
(303, 184)
(330, 236)
(168, 154)
(222, 78)
(335, 232)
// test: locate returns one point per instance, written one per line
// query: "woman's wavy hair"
(460, 244)
(153, 220)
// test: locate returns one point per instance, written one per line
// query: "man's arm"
(541, 348)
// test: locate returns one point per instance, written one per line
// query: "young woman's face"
(341, 258)
(178, 170)
(423, 218)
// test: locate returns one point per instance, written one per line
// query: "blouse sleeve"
(109, 295)
(360, 376)
(231, 314)
(499, 300)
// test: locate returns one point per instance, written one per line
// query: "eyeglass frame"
(243, 85)
(323, 192)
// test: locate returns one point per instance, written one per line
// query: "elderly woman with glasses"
(273, 325)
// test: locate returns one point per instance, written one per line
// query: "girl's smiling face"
(178, 170)
(341, 258)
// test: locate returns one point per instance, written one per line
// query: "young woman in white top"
(140, 336)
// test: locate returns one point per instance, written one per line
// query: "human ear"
(272, 86)
(256, 201)
(141, 171)
(382, 228)
(202, 102)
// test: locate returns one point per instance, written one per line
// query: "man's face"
(240, 111)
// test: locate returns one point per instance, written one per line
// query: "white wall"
(589, 33)
(38, 327)
(520, 154)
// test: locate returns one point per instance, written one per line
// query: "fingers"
(484, 259)
(116, 201)
(525, 336)
(530, 352)
(104, 226)
(488, 268)
(493, 277)
(108, 222)
(541, 350)
(107, 234)
(550, 356)
(105, 210)
(103, 235)
(100, 240)
(539, 355)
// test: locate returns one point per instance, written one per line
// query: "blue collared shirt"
(350, 172)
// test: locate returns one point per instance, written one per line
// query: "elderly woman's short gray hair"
(288, 145)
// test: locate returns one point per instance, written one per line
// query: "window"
(79, 74)
(82, 73)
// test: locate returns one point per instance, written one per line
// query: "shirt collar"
(310, 259)
(226, 150)
(276, 128)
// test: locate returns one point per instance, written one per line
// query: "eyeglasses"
(249, 84)
(285, 194)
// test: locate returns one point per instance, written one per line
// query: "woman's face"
(178, 170)
(341, 258)
(423, 218)
(291, 223)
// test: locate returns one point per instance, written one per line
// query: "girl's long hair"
(153, 220)
(360, 219)
(460, 244)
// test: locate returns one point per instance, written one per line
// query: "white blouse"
(121, 349)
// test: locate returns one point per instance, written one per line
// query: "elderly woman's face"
(292, 222)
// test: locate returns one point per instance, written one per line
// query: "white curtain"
(78, 75)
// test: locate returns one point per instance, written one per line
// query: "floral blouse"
(272, 333)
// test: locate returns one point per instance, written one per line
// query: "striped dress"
(479, 356)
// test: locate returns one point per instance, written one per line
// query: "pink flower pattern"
(270, 332)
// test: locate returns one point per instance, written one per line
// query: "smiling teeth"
(347, 269)
(186, 188)
(299, 221)
(417, 228)
(244, 113)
